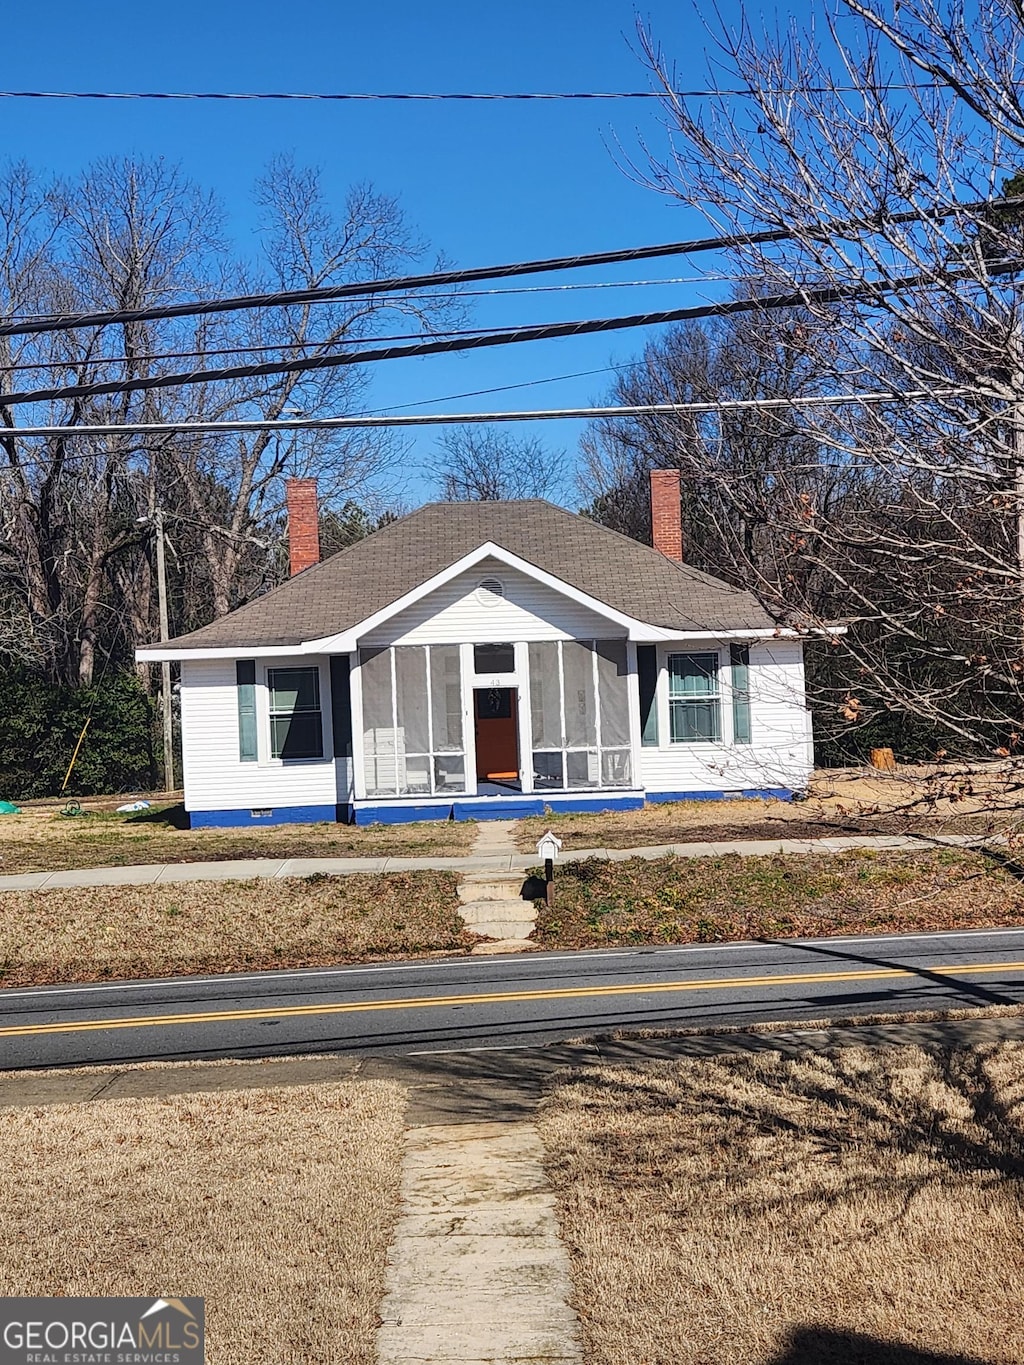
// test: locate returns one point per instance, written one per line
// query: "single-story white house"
(487, 659)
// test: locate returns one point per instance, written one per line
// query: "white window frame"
(264, 744)
(665, 741)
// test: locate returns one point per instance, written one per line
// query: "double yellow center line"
(426, 1002)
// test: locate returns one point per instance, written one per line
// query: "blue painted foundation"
(498, 808)
(511, 807)
(593, 805)
(748, 793)
(263, 815)
(403, 814)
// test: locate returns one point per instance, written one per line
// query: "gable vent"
(490, 592)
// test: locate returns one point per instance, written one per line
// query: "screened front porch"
(440, 722)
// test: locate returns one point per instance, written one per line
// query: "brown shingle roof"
(352, 585)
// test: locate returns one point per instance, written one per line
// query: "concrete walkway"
(476, 1269)
(491, 900)
(244, 868)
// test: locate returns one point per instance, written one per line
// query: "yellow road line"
(494, 998)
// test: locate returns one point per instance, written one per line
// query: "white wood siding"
(529, 611)
(214, 777)
(780, 754)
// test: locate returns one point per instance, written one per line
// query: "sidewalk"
(246, 868)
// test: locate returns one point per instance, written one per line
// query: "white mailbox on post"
(548, 847)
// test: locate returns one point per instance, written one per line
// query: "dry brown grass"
(276, 1206)
(43, 840)
(839, 802)
(130, 931)
(816, 1211)
(709, 900)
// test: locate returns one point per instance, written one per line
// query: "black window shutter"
(341, 706)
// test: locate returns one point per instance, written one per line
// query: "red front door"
(497, 734)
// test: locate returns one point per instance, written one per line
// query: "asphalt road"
(496, 1002)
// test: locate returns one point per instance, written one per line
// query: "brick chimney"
(667, 513)
(303, 524)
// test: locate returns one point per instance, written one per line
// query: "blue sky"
(483, 182)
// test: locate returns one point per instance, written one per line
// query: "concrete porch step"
(503, 931)
(481, 887)
(503, 911)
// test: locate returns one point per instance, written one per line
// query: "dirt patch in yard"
(43, 840)
(109, 932)
(276, 1206)
(858, 1206)
(706, 900)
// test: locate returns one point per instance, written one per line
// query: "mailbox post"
(548, 850)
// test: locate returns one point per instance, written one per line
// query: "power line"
(240, 349)
(356, 423)
(800, 298)
(244, 348)
(402, 284)
(452, 95)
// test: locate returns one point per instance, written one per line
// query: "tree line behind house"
(900, 516)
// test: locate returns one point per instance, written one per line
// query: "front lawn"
(43, 840)
(276, 1206)
(118, 932)
(858, 1207)
(705, 900)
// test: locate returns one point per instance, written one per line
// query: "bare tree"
(844, 130)
(75, 572)
(483, 464)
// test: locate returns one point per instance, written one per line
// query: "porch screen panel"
(580, 702)
(446, 718)
(546, 714)
(412, 722)
(380, 740)
(613, 695)
(446, 698)
(582, 764)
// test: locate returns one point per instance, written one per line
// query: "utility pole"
(165, 667)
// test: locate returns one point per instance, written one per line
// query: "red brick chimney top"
(667, 513)
(303, 524)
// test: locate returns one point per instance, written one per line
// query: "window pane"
(547, 770)
(411, 684)
(580, 711)
(545, 696)
(613, 692)
(615, 768)
(294, 689)
(582, 768)
(417, 776)
(647, 667)
(693, 675)
(450, 773)
(739, 657)
(695, 721)
(296, 736)
(494, 659)
(446, 697)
